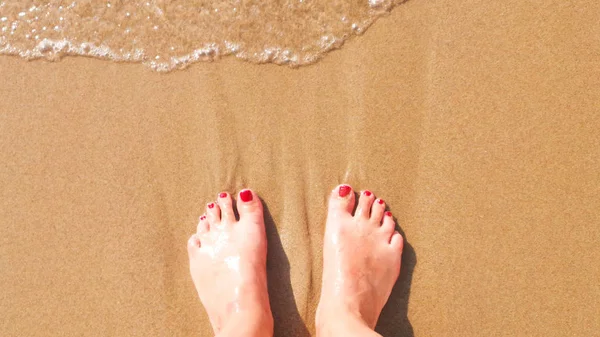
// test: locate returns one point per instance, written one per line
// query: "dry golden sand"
(476, 121)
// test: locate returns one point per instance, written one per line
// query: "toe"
(226, 205)
(248, 204)
(341, 199)
(203, 225)
(193, 244)
(213, 213)
(397, 242)
(364, 205)
(388, 223)
(377, 210)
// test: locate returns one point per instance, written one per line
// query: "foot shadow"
(393, 321)
(283, 304)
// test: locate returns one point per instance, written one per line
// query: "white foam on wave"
(167, 34)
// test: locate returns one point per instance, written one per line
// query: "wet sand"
(476, 122)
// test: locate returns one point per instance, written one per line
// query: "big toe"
(248, 205)
(341, 199)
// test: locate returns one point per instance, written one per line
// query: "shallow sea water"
(171, 34)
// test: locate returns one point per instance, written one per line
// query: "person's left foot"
(228, 266)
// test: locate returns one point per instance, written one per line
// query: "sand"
(476, 121)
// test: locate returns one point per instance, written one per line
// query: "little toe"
(226, 205)
(377, 210)
(193, 244)
(213, 213)
(249, 205)
(364, 205)
(341, 199)
(397, 242)
(203, 225)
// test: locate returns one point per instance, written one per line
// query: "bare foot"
(228, 266)
(361, 262)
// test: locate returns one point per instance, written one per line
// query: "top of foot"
(362, 255)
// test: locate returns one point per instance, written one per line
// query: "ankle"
(342, 322)
(254, 323)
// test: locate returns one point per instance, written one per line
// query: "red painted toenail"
(202, 217)
(222, 195)
(344, 190)
(380, 201)
(246, 195)
(211, 205)
(388, 213)
(368, 193)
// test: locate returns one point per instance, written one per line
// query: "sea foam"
(171, 34)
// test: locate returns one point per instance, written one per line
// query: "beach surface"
(477, 122)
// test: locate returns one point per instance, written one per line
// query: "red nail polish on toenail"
(202, 217)
(222, 195)
(368, 193)
(344, 190)
(380, 201)
(246, 195)
(211, 205)
(388, 213)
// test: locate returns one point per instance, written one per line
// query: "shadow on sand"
(288, 322)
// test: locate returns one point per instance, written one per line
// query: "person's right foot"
(361, 262)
